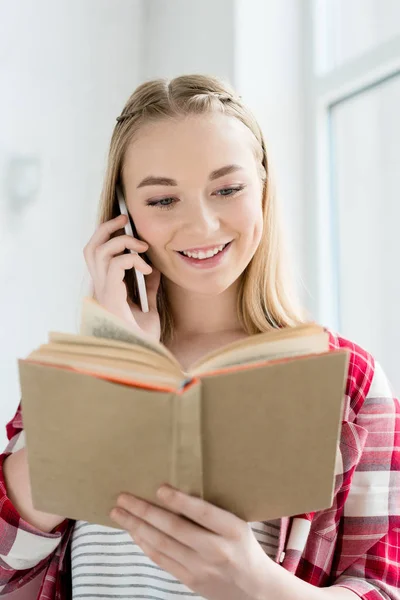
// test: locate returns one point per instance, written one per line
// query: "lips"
(205, 250)
(206, 263)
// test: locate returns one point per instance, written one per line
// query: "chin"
(209, 288)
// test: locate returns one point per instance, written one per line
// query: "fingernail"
(165, 492)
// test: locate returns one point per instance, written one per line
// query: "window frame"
(324, 90)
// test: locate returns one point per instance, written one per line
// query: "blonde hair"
(265, 299)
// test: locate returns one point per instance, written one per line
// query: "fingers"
(119, 264)
(143, 531)
(203, 513)
(155, 522)
(107, 252)
(105, 259)
(102, 235)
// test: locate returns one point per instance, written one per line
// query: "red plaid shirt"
(355, 543)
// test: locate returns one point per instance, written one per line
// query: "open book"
(252, 427)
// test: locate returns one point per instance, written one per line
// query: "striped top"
(106, 563)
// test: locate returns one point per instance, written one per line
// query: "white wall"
(67, 68)
(269, 75)
(188, 36)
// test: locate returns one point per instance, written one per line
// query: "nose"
(201, 219)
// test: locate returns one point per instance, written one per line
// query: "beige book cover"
(252, 427)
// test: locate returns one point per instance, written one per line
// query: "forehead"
(188, 144)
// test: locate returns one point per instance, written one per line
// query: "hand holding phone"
(144, 304)
(110, 269)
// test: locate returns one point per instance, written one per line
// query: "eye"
(229, 191)
(163, 203)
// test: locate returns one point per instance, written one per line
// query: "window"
(366, 191)
(346, 29)
(354, 117)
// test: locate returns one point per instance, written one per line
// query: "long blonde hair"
(266, 298)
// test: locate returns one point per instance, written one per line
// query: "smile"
(206, 260)
(203, 254)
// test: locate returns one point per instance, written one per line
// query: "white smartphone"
(144, 304)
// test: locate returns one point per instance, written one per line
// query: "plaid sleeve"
(23, 549)
(369, 543)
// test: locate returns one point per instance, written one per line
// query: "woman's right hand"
(107, 263)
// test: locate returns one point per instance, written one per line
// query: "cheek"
(249, 219)
(157, 234)
(152, 231)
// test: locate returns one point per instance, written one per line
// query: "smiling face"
(194, 183)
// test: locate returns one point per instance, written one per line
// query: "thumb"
(152, 285)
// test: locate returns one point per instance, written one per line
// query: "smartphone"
(130, 230)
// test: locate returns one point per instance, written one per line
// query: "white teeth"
(202, 255)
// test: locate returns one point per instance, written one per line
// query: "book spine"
(187, 453)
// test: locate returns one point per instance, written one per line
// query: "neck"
(196, 314)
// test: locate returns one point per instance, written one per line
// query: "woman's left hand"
(208, 549)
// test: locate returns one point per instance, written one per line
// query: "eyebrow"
(153, 180)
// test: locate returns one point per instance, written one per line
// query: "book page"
(266, 346)
(98, 322)
(110, 349)
(117, 369)
(90, 341)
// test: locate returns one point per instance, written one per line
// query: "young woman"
(193, 167)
